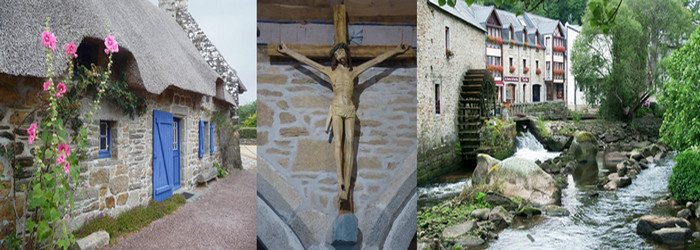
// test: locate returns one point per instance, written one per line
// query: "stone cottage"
(442, 28)
(130, 161)
(297, 179)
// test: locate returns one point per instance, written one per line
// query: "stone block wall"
(117, 183)
(296, 167)
(437, 133)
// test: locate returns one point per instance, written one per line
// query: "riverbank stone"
(499, 216)
(684, 213)
(481, 214)
(613, 158)
(557, 211)
(468, 241)
(650, 223)
(671, 235)
(496, 199)
(459, 229)
(517, 177)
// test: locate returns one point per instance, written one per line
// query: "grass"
(132, 220)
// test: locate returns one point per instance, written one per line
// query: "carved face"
(340, 56)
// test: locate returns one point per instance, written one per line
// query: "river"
(607, 220)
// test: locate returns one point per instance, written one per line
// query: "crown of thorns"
(338, 46)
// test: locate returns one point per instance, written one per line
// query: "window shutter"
(201, 139)
(211, 138)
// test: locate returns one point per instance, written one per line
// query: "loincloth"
(344, 111)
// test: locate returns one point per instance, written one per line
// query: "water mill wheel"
(477, 102)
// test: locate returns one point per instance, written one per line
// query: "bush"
(249, 133)
(220, 172)
(684, 183)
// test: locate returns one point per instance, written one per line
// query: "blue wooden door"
(162, 155)
(176, 153)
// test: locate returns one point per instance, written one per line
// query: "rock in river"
(671, 235)
(517, 178)
(650, 223)
(584, 147)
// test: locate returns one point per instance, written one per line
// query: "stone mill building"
(178, 73)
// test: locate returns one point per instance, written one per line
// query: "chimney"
(172, 6)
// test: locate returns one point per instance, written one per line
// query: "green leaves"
(681, 99)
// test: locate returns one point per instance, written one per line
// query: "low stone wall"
(437, 161)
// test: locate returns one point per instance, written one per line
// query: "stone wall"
(437, 133)
(296, 167)
(117, 183)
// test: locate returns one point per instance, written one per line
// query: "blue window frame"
(104, 140)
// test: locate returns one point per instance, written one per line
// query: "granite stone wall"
(297, 178)
(117, 183)
(437, 133)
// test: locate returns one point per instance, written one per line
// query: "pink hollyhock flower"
(68, 217)
(32, 132)
(86, 186)
(49, 40)
(64, 148)
(66, 169)
(70, 50)
(47, 84)
(111, 44)
(61, 159)
(61, 88)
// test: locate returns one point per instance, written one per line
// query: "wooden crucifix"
(342, 77)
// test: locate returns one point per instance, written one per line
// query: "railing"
(548, 109)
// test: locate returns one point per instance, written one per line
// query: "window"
(207, 142)
(549, 47)
(447, 37)
(524, 63)
(535, 93)
(104, 140)
(512, 35)
(437, 99)
(537, 64)
(511, 61)
(175, 134)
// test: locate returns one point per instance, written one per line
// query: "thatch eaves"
(162, 53)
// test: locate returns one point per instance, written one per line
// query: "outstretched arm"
(299, 57)
(359, 69)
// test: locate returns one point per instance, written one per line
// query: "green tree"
(681, 126)
(611, 70)
(247, 110)
(251, 121)
(666, 24)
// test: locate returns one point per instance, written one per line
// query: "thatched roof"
(163, 55)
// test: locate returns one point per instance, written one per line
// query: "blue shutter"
(201, 139)
(162, 155)
(211, 138)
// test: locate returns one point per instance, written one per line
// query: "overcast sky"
(231, 26)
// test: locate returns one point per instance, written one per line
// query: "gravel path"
(224, 218)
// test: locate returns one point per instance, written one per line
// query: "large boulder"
(584, 147)
(650, 223)
(518, 178)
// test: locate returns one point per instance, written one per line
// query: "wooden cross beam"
(340, 35)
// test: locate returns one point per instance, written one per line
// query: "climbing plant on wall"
(50, 193)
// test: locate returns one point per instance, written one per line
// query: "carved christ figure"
(342, 111)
